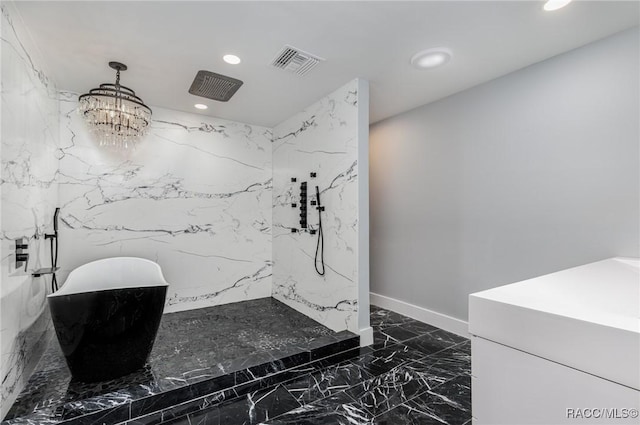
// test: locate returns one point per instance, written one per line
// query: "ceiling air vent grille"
(295, 60)
(214, 86)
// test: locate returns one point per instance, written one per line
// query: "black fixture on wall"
(53, 243)
(22, 253)
(304, 225)
(53, 238)
(303, 205)
(318, 260)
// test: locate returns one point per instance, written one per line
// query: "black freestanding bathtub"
(106, 316)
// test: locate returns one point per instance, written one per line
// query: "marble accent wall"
(28, 193)
(198, 196)
(194, 196)
(322, 139)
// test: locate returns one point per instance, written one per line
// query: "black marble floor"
(413, 374)
(200, 357)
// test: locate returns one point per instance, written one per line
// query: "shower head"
(214, 86)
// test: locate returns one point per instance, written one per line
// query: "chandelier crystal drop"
(115, 115)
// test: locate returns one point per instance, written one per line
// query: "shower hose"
(319, 257)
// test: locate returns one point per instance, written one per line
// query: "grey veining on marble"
(28, 191)
(194, 196)
(322, 139)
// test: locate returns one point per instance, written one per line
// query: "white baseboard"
(448, 323)
(366, 336)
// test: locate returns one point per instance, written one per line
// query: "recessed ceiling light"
(551, 5)
(431, 58)
(200, 106)
(232, 59)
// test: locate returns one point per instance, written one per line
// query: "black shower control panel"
(303, 205)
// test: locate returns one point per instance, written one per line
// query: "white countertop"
(587, 317)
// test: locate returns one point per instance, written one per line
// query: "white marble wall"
(322, 139)
(194, 196)
(28, 193)
(198, 196)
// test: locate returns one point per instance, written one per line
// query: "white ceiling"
(166, 43)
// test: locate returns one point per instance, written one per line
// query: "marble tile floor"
(200, 357)
(413, 374)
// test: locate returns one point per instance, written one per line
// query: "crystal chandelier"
(115, 115)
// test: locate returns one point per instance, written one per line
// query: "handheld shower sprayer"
(54, 250)
(55, 221)
(320, 244)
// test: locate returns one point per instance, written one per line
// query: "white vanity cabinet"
(563, 348)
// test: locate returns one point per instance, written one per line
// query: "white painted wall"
(29, 139)
(531, 173)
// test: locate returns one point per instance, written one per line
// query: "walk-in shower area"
(253, 232)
